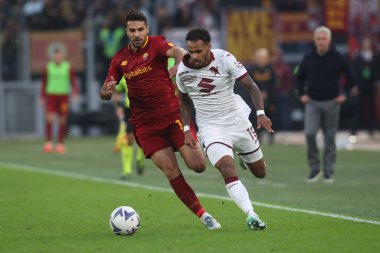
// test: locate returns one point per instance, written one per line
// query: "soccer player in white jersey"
(207, 77)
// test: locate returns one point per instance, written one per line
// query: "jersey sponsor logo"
(206, 85)
(145, 56)
(209, 94)
(137, 72)
(214, 70)
(123, 63)
(187, 79)
(182, 73)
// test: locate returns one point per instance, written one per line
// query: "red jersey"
(150, 90)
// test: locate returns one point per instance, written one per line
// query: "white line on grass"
(156, 188)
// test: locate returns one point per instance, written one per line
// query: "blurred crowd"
(269, 69)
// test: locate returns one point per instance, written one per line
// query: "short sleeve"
(162, 46)
(181, 87)
(234, 67)
(114, 70)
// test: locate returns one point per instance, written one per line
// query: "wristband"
(186, 128)
(260, 112)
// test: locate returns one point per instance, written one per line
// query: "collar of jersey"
(146, 43)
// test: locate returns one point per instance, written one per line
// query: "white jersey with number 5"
(221, 115)
(212, 90)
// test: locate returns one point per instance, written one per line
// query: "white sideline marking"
(156, 188)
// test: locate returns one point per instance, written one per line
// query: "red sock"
(48, 130)
(187, 195)
(61, 132)
(230, 180)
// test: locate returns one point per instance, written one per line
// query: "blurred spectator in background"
(183, 17)
(33, 7)
(112, 38)
(317, 83)
(163, 18)
(9, 50)
(282, 91)
(264, 75)
(206, 14)
(290, 5)
(58, 81)
(364, 108)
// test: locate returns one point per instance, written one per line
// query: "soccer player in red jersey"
(155, 113)
(58, 81)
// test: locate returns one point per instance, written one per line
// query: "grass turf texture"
(43, 213)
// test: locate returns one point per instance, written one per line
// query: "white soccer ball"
(124, 220)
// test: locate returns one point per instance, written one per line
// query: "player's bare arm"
(185, 108)
(107, 89)
(254, 91)
(177, 53)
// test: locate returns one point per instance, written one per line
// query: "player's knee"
(260, 172)
(258, 169)
(198, 165)
(226, 168)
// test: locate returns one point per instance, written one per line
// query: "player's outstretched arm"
(177, 53)
(254, 91)
(185, 118)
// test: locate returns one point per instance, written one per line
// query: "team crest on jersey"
(214, 70)
(123, 63)
(145, 56)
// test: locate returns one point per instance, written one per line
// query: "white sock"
(204, 215)
(239, 194)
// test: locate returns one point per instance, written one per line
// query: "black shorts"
(127, 115)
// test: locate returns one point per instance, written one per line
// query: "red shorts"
(58, 104)
(158, 135)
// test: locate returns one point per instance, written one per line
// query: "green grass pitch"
(55, 203)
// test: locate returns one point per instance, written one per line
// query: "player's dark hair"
(198, 34)
(134, 15)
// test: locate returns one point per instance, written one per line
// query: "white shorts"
(219, 142)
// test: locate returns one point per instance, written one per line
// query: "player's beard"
(197, 63)
(138, 42)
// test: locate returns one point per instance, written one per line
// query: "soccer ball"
(124, 220)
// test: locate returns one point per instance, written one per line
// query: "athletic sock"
(140, 158)
(126, 159)
(120, 138)
(239, 194)
(48, 131)
(61, 132)
(187, 195)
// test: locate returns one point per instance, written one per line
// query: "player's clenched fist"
(107, 89)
